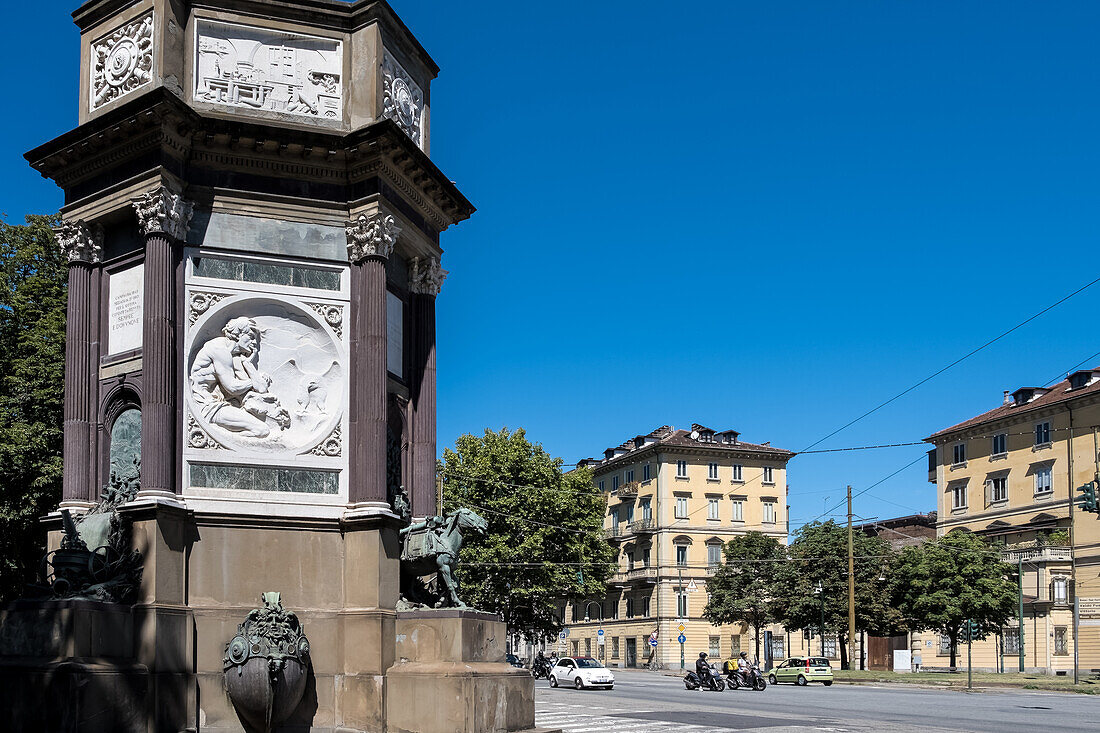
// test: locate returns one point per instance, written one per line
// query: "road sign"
(599, 633)
(681, 628)
(653, 642)
(681, 638)
(599, 640)
(692, 587)
(564, 633)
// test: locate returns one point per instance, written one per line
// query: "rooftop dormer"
(1083, 378)
(1024, 395)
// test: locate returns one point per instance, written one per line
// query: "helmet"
(702, 655)
(745, 655)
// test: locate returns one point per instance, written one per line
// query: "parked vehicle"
(713, 682)
(802, 671)
(581, 673)
(541, 668)
(753, 679)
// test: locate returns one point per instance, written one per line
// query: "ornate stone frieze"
(372, 236)
(122, 61)
(330, 447)
(263, 69)
(426, 276)
(402, 98)
(333, 315)
(163, 210)
(80, 241)
(199, 438)
(199, 302)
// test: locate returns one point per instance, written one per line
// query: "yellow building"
(674, 498)
(1011, 474)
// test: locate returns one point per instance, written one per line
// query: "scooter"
(753, 679)
(540, 668)
(713, 682)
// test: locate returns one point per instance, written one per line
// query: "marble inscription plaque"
(124, 310)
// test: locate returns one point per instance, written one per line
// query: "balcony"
(643, 526)
(642, 573)
(628, 490)
(1037, 554)
(615, 533)
(712, 570)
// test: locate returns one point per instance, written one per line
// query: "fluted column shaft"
(158, 367)
(77, 485)
(368, 419)
(424, 407)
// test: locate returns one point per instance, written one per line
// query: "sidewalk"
(982, 680)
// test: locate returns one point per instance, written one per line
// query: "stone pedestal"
(450, 676)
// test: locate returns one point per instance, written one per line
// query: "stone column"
(163, 217)
(82, 245)
(371, 240)
(425, 281)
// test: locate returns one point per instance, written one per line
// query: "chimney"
(1008, 398)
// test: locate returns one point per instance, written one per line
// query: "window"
(630, 476)
(630, 608)
(958, 497)
(777, 647)
(575, 648)
(1042, 433)
(1058, 591)
(614, 647)
(615, 518)
(1061, 643)
(647, 509)
(681, 555)
(959, 454)
(737, 468)
(738, 510)
(614, 608)
(629, 509)
(630, 560)
(588, 647)
(998, 489)
(645, 473)
(735, 645)
(681, 469)
(601, 487)
(1043, 483)
(1000, 444)
(712, 471)
(714, 647)
(712, 508)
(714, 555)
(682, 604)
(645, 606)
(1011, 642)
(769, 512)
(945, 644)
(769, 478)
(681, 507)
(615, 482)
(831, 647)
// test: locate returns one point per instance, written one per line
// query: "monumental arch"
(253, 221)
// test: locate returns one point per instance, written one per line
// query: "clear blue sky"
(765, 216)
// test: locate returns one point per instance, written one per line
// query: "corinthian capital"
(80, 241)
(426, 276)
(372, 236)
(162, 210)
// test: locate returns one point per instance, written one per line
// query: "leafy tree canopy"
(742, 589)
(545, 538)
(33, 278)
(941, 584)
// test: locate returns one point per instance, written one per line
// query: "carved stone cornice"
(426, 276)
(80, 241)
(372, 236)
(163, 210)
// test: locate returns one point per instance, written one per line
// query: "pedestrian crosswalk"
(572, 718)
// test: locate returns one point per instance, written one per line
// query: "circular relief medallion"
(404, 102)
(121, 62)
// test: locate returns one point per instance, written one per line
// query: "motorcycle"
(540, 668)
(713, 682)
(752, 680)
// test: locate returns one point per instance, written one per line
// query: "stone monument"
(252, 222)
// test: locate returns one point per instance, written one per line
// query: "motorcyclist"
(702, 669)
(743, 667)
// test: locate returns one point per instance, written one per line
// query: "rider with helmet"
(702, 668)
(743, 667)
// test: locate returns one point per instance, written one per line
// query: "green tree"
(941, 584)
(545, 539)
(819, 560)
(33, 278)
(742, 589)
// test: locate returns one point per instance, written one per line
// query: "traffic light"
(970, 628)
(1087, 501)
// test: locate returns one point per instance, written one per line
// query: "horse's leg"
(448, 579)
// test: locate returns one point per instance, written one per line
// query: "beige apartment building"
(1011, 474)
(674, 497)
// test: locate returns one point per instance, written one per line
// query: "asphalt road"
(645, 702)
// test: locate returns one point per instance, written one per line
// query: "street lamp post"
(820, 592)
(599, 637)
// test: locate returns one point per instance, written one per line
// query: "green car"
(802, 671)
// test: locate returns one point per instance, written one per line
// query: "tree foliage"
(941, 584)
(742, 589)
(33, 278)
(820, 558)
(545, 537)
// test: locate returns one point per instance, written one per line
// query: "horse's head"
(471, 521)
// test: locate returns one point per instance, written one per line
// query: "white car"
(581, 672)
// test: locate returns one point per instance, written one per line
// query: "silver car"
(581, 672)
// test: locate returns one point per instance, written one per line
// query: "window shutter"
(988, 492)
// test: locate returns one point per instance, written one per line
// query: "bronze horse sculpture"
(432, 546)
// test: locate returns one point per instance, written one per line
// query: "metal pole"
(1020, 583)
(822, 594)
(679, 595)
(1072, 544)
(851, 589)
(969, 647)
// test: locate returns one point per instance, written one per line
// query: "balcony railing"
(712, 569)
(628, 490)
(613, 533)
(1037, 554)
(643, 525)
(643, 573)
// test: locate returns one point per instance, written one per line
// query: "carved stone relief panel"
(122, 61)
(402, 98)
(263, 69)
(264, 378)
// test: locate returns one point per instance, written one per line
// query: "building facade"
(1011, 474)
(674, 498)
